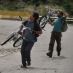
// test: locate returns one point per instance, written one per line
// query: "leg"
(58, 40)
(23, 56)
(28, 52)
(51, 44)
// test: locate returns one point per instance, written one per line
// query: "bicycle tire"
(18, 42)
(9, 38)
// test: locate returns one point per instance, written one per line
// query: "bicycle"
(13, 37)
(44, 20)
(42, 25)
(17, 38)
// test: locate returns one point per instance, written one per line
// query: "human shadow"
(59, 58)
(40, 68)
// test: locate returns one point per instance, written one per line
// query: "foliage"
(20, 4)
(69, 8)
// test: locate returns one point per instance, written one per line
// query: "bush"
(69, 8)
(12, 6)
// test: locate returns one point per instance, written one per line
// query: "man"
(56, 35)
(30, 35)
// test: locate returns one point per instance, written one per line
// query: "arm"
(21, 27)
(50, 21)
(37, 30)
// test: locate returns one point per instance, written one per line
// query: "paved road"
(11, 62)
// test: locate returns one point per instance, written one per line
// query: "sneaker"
(49, 54)
(28, 63)
(58, 53)
(23, 66)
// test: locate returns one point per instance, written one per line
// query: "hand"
(19, 32)
(38, 32)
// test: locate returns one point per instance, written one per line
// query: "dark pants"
(55, 36)
(26, 51)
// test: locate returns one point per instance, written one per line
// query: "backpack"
(64, 26)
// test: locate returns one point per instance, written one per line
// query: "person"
(30, 35)
(56, 35)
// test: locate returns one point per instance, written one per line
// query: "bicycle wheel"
(18, 42)
(8, 39)
(43, 21)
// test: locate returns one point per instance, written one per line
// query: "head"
(34, 16)
(60, 14)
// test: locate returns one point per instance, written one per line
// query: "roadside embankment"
(14, 15)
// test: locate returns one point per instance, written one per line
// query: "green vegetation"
(68, 6)
(21, 5)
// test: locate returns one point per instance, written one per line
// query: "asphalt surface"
(10, 58)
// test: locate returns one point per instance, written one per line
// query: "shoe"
(58, 53)
(49, 54)
(28, 63)
(23, 66)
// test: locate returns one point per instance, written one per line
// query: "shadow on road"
(40, 68)
(59, 58)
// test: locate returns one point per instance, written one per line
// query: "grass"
(14, 13)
